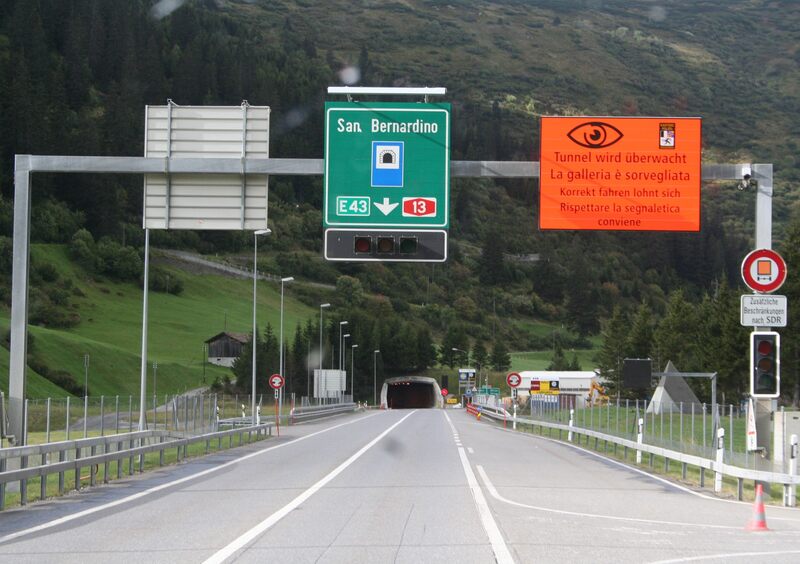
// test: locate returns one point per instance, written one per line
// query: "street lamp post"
(280, 361)
(340, 342)
(375, 377)
(255, 328)
(344, 360)
(321, 307)
(454, 349)
(352, 371)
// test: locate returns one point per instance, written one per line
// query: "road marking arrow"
(386, 207)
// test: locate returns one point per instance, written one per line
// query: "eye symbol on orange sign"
(595, 135)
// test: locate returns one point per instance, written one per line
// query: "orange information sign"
(629, 174)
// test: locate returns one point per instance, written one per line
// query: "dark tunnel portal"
(410, 395)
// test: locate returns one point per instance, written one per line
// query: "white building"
(573, 386)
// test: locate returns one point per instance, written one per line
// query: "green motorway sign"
(387, 165)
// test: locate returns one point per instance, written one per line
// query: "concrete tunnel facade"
(411, 392)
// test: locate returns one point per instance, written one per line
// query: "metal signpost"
(764, 271)
(466, 381)
(387, 180)
(276, 382)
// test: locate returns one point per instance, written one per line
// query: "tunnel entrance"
(411, 394)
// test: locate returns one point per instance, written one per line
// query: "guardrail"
(789, 480)
(299, 414)
(75, 455)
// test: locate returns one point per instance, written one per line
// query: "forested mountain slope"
(75, 76)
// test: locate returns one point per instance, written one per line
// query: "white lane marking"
(495, 494)
(452, 427)
(240, 542)
(501, 553)
(725, 556)
(469, 450)
(160, 487)
(657, 478)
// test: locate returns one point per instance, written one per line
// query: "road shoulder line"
(495, 494)
(501, 553)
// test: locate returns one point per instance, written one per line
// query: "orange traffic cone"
(759, 520)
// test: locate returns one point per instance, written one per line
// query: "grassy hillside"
(111, 321)
(38, 386)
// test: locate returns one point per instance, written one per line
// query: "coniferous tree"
(640, 338)
(582, 295)
(479, 354)
(614, 349)
(574, 364)
(559, 360)
(270, 350)
(426, 351)
(243, 366)
(492, 267)
(676, 336)
(454, 338)
(723, 342)
(500, 358)
(296, 362)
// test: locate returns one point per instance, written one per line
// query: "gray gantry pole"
(24, 165)
(762, 174)
(143, 380)
(255, 328)
(19, 299)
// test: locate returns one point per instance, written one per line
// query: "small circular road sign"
(276, 381)
(513, 379)
(764, 270)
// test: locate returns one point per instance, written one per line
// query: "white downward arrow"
(386, 207)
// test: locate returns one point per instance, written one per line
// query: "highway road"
(396, 486)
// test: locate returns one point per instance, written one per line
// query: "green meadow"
(110, 329)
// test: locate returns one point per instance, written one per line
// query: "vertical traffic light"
(765, 364)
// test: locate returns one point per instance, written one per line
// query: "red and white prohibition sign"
(513, 379)
(763, 270)
(276, 381)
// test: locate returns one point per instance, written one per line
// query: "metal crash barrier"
(300, 414)
(789, 481)
(77, 455)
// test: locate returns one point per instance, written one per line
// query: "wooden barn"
(225, 347)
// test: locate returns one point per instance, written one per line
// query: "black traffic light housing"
(765, 364)
(386, 245)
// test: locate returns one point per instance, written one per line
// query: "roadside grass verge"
(124, 468)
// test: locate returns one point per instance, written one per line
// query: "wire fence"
(57, 419)
(62, 419)
(684, 427)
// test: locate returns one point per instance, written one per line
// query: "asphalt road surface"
(396, 486)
